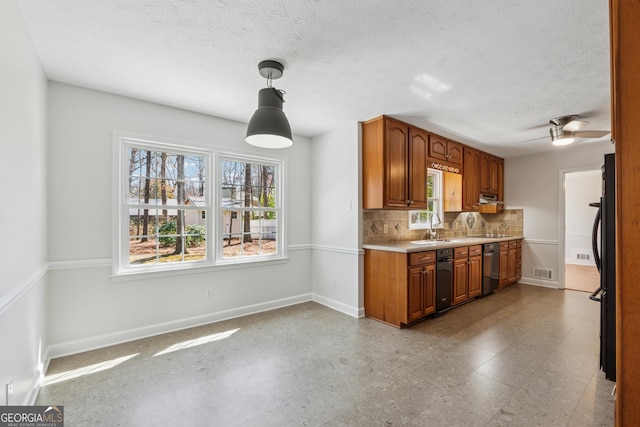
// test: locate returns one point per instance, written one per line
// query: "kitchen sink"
(434, 242)
(425, 242)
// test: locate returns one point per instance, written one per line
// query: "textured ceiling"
(490, 73)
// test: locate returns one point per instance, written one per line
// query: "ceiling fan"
(566, 129)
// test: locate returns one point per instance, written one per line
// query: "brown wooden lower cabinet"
(510, 262)
(475, 271)
(467, 273)
(399, 288)
(504, 264)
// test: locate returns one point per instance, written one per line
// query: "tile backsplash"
(509, 222)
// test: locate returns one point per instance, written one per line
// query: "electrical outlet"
(386, 228)
(332, 282)
(208, 293)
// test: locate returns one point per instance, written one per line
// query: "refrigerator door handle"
(594, 296)
(594, 238)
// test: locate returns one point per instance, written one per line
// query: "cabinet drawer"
(504, 246)
(513, 244)
(421, 258)
(475, 250)
(462, 252)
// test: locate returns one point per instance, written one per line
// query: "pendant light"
(269, 127)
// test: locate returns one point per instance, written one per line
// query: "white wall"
(86, 307)
(23, 252)
(533, 184)
(581, 188)
(337, 257)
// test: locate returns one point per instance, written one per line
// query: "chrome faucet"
(431, 223)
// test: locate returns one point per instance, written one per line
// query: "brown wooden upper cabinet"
(445, 150)
(395, 158)
(394, 165)
(471, 179)
(491, 175)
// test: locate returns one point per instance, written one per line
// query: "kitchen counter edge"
(406, 246)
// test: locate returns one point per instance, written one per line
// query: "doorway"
(581, 188)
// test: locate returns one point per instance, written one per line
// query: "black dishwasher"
(444, 279)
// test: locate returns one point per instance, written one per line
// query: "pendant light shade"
(269, 127)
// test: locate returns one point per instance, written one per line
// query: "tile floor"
(525, 356)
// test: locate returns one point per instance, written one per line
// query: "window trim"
(438, 191)
(119, 206)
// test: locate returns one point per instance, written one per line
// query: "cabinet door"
(471, 179)
(396, 160)
(454, 152)
(519, 260)
(475, 276)
(429, 289)
(418, 146)
(437, 147)
(512, 265)
(494, 167)
(485, 172)
(415, 294)
(501, 179)
(460, 283)
(504, 268)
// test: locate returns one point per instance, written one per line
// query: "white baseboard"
(338, 306)
(538, 282)
(79, 346)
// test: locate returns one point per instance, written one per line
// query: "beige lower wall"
(509, 222)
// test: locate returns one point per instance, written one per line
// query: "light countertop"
(407, 247)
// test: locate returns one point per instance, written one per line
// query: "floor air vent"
(542, 273)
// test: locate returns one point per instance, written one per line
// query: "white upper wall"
(335, 189)
(22, 162)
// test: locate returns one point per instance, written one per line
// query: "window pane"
(259, 239)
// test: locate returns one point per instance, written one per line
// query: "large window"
(250, 210)
(176, 211)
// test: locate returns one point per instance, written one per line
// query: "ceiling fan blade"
(575, 125)
(530, 140)
(592, 133)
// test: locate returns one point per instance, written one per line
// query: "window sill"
(181, 271)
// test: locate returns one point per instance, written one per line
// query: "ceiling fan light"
(561, 137)
(563, 141)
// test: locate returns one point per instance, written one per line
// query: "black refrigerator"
(604, 254)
